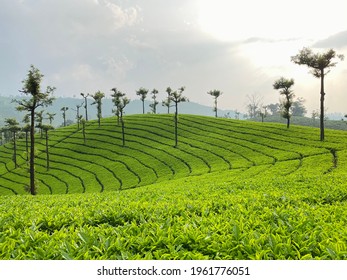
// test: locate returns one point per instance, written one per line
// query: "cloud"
(46, 23)
(338, 40)
(121, 16)
(82, 72)
(65, 36)
(90, 45)
(228, 21)
(267, 40)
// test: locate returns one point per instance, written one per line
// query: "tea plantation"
(230, 190)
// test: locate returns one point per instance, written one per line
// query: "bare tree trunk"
(215, 105)
(288, 111)
(176, 120)
(168, 103)
(86, 107)
(15, 150)
(32, 153)
(99, 112)
(78, 120)
(26, 144)
(322, 94)
(84, 131)
(123, 132)
(47, 154)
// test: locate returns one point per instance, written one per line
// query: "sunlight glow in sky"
(239, 20)
(274, 31)
(237, 46)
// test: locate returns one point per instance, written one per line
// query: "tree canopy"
(37, 98)
(142, 92)
(284, 85)
(98, 96)
(215, 93)
(318, 62)
(320, 65)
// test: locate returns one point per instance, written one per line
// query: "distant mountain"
(7, 109)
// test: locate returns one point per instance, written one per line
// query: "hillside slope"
(231, 190)
(206, 145)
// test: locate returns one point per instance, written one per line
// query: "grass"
(231, 190)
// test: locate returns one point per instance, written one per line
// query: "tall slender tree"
(32, 88)
(78, 116)
(215, 93)
(142, 92)
(83, 122)
(39, 120)
(167, 101)
(13, 127)
(6, 135)
(1, 137)
(98, 96)
(116, 99)
(46, 128)
(284, 85)
(320, 65)
(124, 101)
(85, 96)
(50, 117)
(64, 109)
(176, 97)
(254, 104)
(153, 106)
(263, 113)
(26, 128)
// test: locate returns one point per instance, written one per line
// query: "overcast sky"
(239, 47)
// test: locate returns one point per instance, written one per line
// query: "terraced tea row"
(219, 215)
(206, 145)
(230, 190)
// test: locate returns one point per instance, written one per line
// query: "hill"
(206, 145)
(231, 190)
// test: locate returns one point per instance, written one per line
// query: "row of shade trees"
(172, 97)
(37, 98)
(120, 101)
(319, 64)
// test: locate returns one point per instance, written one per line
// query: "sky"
(238, 47)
